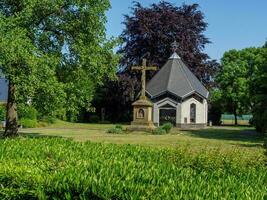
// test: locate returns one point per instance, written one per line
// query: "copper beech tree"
(150, 31)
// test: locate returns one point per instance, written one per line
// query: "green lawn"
(223, 138)
(226, 136)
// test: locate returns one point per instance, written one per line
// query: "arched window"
(192, 113)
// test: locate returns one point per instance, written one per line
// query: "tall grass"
(47, 168)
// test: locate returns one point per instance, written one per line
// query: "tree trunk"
(235, 118)
(11, 128)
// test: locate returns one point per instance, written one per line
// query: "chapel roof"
(175, 78)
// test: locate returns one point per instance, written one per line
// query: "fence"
(229, 119)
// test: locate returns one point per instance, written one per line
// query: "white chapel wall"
(201, 110)
(183, 110)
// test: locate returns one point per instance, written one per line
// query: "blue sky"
(233, 24)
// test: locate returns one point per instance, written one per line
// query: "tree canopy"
(258, 92)
(54, 53)
(236, 78)
(150, 31)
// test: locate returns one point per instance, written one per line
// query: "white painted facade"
(182, 110)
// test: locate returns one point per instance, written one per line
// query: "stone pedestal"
(142, 116)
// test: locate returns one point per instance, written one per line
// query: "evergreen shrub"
(27, 112)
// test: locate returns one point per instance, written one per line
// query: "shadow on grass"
(39, 135)
(32, 135)
(228, 134)
(251, 145)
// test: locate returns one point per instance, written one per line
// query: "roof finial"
(174, 46)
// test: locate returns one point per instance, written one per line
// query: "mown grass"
(46, 168)
(226, 139)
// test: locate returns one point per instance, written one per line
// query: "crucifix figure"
(143, 69)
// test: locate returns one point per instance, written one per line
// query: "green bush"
(115, 130)
(54, 168)
(49, 119)
(159, 131)
(167, 127)
(28, 123)
(27, 112)
(2, 113)
(118, 126)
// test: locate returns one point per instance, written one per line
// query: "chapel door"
(167, 115)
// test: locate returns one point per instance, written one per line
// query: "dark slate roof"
(175, 77)
(3, 90)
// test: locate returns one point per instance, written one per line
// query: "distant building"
(3, 90)
(178, 96)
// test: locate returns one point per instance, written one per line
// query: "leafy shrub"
(54, 168)
(167, 127)
(259, 121)
(118, 126)
(159, 131)
(49, 119)
(28, 123)
(115, 130)
(2, 113)
(27, 112)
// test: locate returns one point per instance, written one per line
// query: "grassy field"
(223, 138)
(213, 163)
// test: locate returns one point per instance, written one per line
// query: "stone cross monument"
(143, 69)
(142, 108)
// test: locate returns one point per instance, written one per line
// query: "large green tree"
(239, 68)
(258, 92)
(54, 53)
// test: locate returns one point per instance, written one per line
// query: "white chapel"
(178, 96)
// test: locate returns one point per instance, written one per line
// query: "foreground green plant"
(54, 168)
